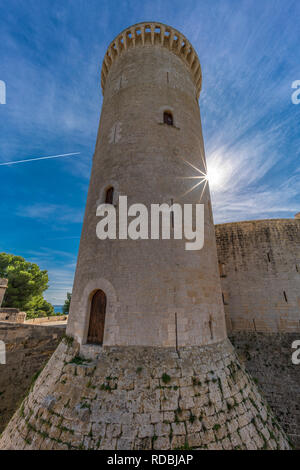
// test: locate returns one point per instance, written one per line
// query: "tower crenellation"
(153, 34)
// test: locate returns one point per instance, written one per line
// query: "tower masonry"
(146, 363)
(149, 141)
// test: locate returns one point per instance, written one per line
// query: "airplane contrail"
(39, 158)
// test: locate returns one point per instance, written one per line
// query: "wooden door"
(97, 318)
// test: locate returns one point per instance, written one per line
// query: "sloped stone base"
(144, 398)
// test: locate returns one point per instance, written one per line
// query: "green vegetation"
(67, 303)
(26, 285)
(166, 378)
(68, 340)
(79, 360)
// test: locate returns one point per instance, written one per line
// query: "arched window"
(168, 118)
(109, 195)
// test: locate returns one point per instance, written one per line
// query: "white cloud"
(46, 212)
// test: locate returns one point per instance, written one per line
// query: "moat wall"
(268, 359)
(144, 398)
(266, 356)
(28, 347)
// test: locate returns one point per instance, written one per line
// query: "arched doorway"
(97, 318)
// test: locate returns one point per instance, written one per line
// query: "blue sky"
(50, 59)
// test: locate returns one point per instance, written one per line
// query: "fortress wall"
(267, 357)
(28, 347)
(260, 274)
(43, 320)
(12, 315)
(142, 399)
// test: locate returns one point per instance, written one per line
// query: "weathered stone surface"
(260, 274)
(158, 292)
(103, 420)
(27, 350)
(267, 356)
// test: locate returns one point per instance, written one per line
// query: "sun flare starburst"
(202, 178)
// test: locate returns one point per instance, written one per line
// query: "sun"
(214, 176)
(201, 179)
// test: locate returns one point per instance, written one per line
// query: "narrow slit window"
(269, 259)
(222, 270)
(168, 118)
(210, 323)
(109, 196)
(172, 214)
(285, 296)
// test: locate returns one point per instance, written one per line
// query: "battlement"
(12, 315)
(147, 34)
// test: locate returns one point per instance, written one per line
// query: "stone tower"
(146, 363)
(157, 292)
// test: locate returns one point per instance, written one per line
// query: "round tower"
(150, 149)
(146, 363)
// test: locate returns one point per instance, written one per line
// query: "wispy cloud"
(61, 282)
(48, 212)
(250, 125)
(60, 266)
(241, 183)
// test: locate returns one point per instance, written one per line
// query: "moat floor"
(144, 398)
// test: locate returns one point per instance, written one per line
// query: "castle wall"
(260, 274)
(28, 348)
(12, 315)
(143, 399)
(45, 320)
(267, 357)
